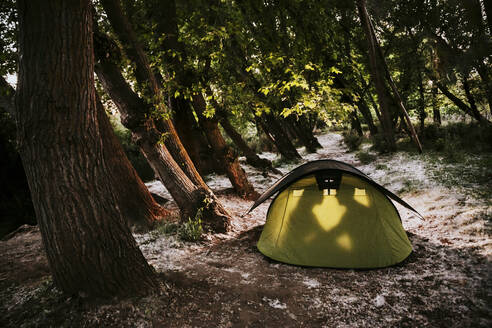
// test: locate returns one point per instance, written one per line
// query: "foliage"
(166, 228)
(352, 140)
(138, 161)
(191, 230)
(455, 137)
(365, 157)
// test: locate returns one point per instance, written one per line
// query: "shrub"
(380, 144)
(191, 230)
(365, 157)
(167, 228)
(352, 140)
(455, 139)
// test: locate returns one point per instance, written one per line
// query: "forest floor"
(224, 281)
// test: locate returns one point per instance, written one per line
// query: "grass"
(408, 186)
(191, 230)
(365, 157)
(468, 172)
(456, 155)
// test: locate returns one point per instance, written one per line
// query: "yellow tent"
(329, 214)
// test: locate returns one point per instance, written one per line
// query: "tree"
(377, 77)
(151, 127)
(88, 244)
(134, 199)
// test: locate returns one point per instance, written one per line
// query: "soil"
(224, 281)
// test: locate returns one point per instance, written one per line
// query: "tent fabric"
(319, 165)
(329, 214)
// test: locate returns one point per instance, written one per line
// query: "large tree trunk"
(397, 98)
(223, 153)
(139, 117)
(133, 110)
(88, 244)
(225, 156)
(134, 199)
(377, 77)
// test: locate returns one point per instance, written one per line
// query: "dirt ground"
(224, 281)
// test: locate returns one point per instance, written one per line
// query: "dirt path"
(226, 282)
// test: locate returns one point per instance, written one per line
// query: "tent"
(329, 214)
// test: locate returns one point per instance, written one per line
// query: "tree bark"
(469, 96)
(134, 199)
(192, 137)
(274, 131)
(223, 153)
(251, 157)
(304, 134)
(377, 79)
(88, 244)
(355, 123)
(422, 113)
(488, 12)
(366, 113)
(188, 196)
(185, 78)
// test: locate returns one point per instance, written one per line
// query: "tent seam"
(283, 217)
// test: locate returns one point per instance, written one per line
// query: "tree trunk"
(183, 190)
(304, 134)
(7, 95)
(366, 113)
(487, 4)
(399, 102)
(251, 157)
(459, 103)
(192, 136)
(134, 199)
(88, 244)
(355, 123)
(377, 78)
(222, 152)
(469, 96)
(139, 117)
(436, 113)
(149, 86)
(274, 130)
(422, 113)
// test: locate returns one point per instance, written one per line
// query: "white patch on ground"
(275, 303)
(379, 301)
(311, 283)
